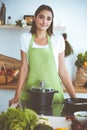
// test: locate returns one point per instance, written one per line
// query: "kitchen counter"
(78, 89)
(14, 86)
(8, 92)
(59, 122)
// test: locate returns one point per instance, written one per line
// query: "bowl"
(81, 116)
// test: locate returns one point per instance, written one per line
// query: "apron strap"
(50, 45)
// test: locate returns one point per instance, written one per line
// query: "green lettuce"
(18, 119)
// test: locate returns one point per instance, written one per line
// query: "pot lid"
(42, 89)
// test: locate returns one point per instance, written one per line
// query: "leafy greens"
(18, 119)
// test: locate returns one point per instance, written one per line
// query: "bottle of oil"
(3, 13)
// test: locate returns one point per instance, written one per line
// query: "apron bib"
(42, 67)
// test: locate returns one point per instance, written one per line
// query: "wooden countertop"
(78, 89)
(14, 86)
(9, 86)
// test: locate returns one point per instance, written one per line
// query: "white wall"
(70, 13)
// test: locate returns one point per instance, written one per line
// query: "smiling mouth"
(44, 26)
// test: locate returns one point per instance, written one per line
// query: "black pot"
(41, 97)
(72, 105)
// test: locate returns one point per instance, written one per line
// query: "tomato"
(2, 72)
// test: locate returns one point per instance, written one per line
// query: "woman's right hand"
(13, 101)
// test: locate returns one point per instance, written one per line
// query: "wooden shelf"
(59, 28)
(14, 27)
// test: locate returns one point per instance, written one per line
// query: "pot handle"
(28, 90)
(56, 91)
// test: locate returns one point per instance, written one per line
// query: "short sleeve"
(58, 43)
(24, 41)
(61, 44)
(58, 46)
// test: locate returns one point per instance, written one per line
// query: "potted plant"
(81, 73)
(81, 60)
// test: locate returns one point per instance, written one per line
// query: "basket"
(5, 80)
(8, 62)
(81, 77)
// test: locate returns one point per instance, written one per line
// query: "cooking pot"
(72, 105)
(41, 96)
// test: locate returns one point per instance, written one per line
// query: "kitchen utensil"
(72, 105)
(42, 96)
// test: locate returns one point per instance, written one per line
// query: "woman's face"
(43, 20)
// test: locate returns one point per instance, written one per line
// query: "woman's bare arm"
(64, 75)
(22, 77)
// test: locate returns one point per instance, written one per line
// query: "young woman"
(42, 58)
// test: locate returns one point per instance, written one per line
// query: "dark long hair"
(41, 8)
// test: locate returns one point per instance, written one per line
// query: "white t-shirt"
(58, 44)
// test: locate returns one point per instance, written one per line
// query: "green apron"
(42, 67)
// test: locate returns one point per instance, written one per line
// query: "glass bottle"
(3, 13)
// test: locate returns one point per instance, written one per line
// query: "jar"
(3, 13)
(9, 20)
(24, 23)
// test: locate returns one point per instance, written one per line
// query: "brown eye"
(49, 18)
(40, 16)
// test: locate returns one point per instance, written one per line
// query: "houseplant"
(81, 60)
(81, 73)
